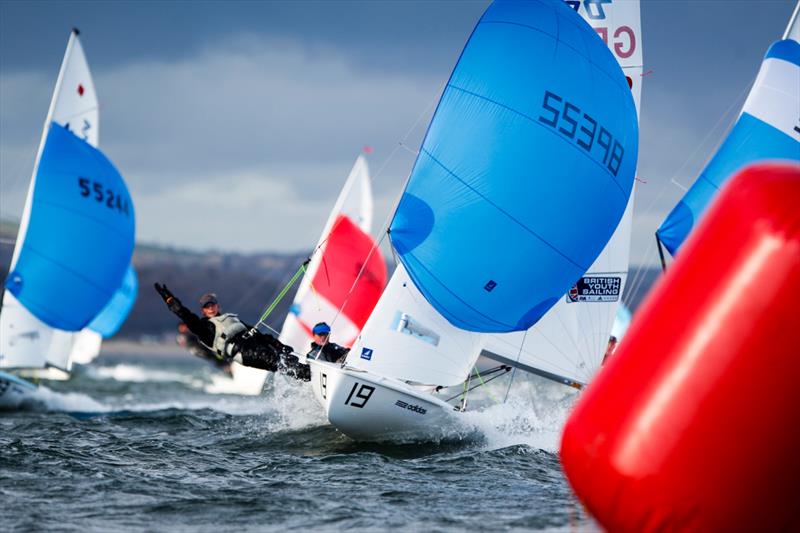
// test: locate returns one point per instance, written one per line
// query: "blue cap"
(321, 329)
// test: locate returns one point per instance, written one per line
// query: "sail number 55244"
(103, 195)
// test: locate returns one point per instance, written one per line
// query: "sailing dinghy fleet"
(512, 231)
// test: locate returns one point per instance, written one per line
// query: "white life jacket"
(225, 327)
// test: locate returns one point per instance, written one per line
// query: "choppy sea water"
(135, 443)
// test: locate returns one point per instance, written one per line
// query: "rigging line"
(280, 296)
(385, 228)
(566, 331)
(681, 186)
(588, 339)
(567, 335)
(358, 278)
(640, 276)
(402, 142)
(476, 386)
(248, 295)
(384, 232)
(663, 188)
(719, 122)
(514, 372)
(483, 383)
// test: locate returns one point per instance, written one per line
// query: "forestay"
(524, 173)
(767, 128)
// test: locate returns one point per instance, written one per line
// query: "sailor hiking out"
(230, 339)
(189, 340)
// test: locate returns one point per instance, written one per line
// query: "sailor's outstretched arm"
(203, 329)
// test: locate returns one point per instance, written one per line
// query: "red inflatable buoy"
(694, 423)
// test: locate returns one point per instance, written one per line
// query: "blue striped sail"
(768, 128)
(80, 234)
(113, 315)
(525, 170)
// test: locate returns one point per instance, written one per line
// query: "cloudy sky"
(236, 123)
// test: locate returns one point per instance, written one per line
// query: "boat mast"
(792, 29)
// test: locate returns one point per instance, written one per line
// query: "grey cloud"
(271, 105)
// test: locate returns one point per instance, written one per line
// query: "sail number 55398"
(568, 120)
(103, 195)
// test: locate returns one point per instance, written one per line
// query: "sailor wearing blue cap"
(321, 347)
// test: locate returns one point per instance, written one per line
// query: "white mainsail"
(411, 341)
(25, 341)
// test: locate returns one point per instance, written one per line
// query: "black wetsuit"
(190, 341)
(331, 352)
(259, 350)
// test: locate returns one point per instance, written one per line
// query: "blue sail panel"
(524, 173)
(113, 315)
(750, 140)
(767, 129)
(80, 235)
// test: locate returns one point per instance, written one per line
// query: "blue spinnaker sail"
(113, 315)
(768, 128)
(525, 171)
(80, 234)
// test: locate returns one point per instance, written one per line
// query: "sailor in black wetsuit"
(189, 340)
(232, 340)
(324, 350)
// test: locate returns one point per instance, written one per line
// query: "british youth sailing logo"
(595, 289)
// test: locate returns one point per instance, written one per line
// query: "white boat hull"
(15, 391)
(368, 407)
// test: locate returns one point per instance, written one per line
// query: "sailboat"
(768, 128)
(342, 283)
(522, 179)
(75, 239)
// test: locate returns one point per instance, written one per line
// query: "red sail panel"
(346, 250)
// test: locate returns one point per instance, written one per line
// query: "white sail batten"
(407, 339)
(25, 341)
